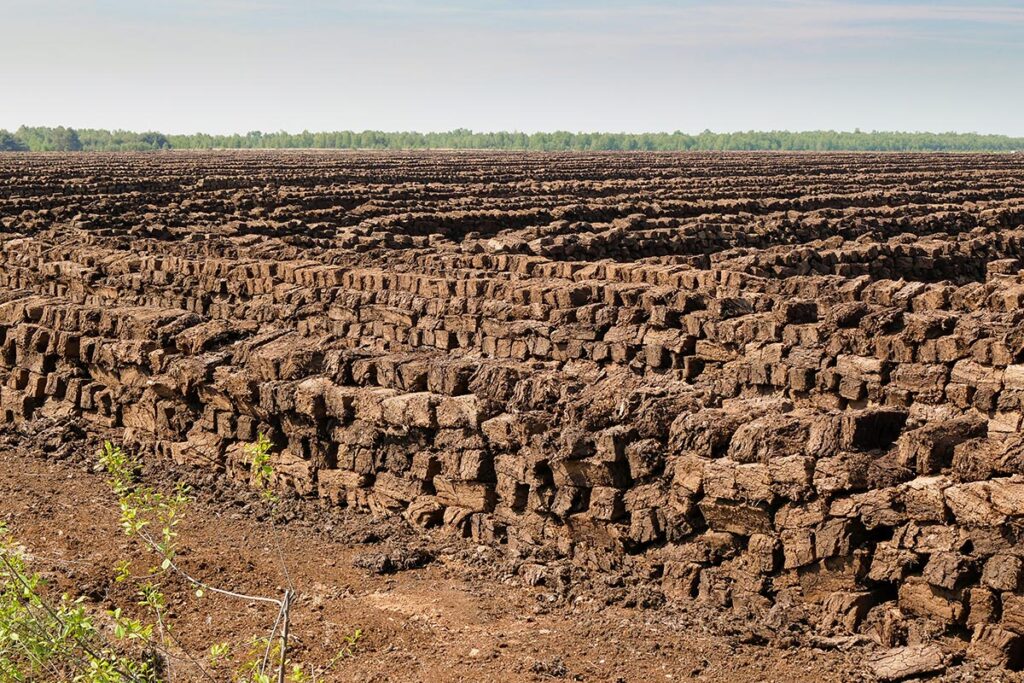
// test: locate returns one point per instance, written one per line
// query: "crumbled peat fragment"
(909, 662)
(554, 668)
(393, 560)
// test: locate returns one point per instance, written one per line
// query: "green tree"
(9, 143)
(67, 139)
(154, 140)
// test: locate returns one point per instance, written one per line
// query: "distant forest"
(42, 139)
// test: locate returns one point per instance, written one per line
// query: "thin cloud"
(684, 22)
(731, 25)
(799, 11)
(742, 23)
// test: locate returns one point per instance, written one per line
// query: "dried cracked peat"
(770, 379)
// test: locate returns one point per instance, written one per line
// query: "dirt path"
(437, 623)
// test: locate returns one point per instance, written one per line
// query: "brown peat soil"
(641, 417)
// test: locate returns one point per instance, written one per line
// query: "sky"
(223, 66)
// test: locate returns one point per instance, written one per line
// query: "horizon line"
(473, 131)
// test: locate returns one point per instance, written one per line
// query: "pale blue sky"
(648, 65)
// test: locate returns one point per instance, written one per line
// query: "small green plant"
(122, 571)
(153, 516)
(61, 642)
(261, 470)
(348, 651)
(40, 641)
(351, 641)
(218, 653)
(143, 507)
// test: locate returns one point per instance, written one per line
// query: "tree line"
(62, 139)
